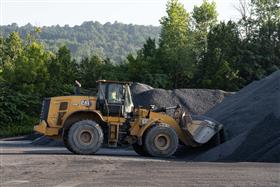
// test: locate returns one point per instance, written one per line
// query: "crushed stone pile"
(261, 144)
(251, 120)
(196, 101)
(137, 88)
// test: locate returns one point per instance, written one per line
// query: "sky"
(75, 12)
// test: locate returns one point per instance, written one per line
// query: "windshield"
(115, 93)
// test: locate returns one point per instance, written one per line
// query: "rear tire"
(84, 137)
(161, 141)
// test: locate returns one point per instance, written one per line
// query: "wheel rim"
(162, 141)
(86, 137)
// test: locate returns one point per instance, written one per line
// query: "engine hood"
(74, 100)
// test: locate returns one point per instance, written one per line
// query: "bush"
(22, 128)
(16, 107)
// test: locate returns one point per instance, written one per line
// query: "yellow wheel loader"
(85, 123)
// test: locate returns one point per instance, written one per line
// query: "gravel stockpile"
(196, 101)
(249, 106)
(251, 119)
(262, 143)
(137, 88)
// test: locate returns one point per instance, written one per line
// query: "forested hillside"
(114, 41)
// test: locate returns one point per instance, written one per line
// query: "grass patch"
(17, 129)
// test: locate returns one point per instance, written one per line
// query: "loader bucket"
(205, 131)
(201, 128)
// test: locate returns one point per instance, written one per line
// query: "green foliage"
(16, 107)
(146, 67)
(22, 79)
(197, 51)
(29, 73)
(63, 71)
(114, 41)
(204, 18)
(175, 26)
(218, 68)
(260, 47)
(89, 71)
(17, 129)
(174, 44)
(205, 15)
(95, 68)
(24, 65)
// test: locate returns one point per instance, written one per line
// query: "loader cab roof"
(115, 82)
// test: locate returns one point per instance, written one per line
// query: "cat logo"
(85, 103)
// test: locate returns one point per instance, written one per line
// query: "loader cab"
(114, 98)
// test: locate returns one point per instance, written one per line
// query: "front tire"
(84, 137)
(139, 149)
(161, 141)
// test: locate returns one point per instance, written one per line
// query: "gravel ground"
(24, 165)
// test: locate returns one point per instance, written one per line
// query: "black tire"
(140, 150)
(84, 137)
(65, 141)
(161, 141)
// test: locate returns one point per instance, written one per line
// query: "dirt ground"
(25, 165)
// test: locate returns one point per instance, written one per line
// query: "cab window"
(115, 93)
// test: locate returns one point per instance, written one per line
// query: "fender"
(147, 125)
(69, 118)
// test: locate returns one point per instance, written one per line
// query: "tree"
(11, 48)
(63, 71)
(90, 71)
(149, 48)
(260, 46)
(175, 26)
(174, 45)
(143, 66)
(24, 65)
(204, 18)
(146, 67)
(219, 67)
(23, 79)
(114, 41)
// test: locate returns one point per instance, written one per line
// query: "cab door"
(115, 95)
(110, 99)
